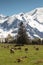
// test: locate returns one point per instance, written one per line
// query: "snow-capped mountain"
(33, 21)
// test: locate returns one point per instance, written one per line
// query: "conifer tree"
(22, 37)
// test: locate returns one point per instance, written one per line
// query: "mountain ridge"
(33, 21)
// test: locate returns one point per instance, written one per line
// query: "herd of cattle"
(15, 47)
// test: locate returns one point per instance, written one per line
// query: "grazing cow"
(26, 49)
(37, 48)
(19, 48)
(15, 45)
(19, 60)
(15, 48)
(11, 50)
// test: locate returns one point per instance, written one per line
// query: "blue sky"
(10, 7)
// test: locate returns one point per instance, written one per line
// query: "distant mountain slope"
(32, 20)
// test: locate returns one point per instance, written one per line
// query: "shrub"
(36, 41)
(9, 39)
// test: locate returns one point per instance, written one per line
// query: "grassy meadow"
(30, 57)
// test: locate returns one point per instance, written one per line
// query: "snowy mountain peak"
(32, 20)
(36, 11)
(39, 9)
(1, 15)
(21, 14)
